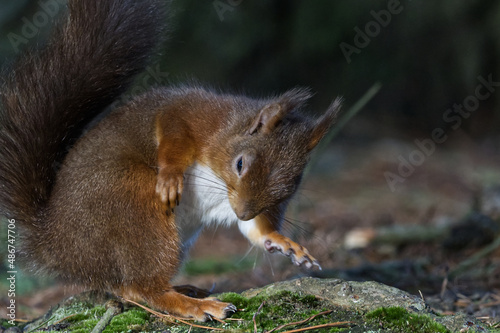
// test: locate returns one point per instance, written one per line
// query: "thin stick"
(158, 314)
(421, 296)
(353, 110)
(219, 320)
(43, 323)
(360, 104)
(111, 312)
(25, 320)
(61, 320)
(337, 324)
(471, 261)
(169, 316)
(255, 315)
(301, 322)
(489, 304)
(444, 285)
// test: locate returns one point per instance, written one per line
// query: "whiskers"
(255, 251)
(204, 182)
(207, 189)
(297, 228)
(268, 257)
(250, 250)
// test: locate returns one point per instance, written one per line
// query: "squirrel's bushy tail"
(50, 94)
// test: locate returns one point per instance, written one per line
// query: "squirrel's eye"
(239, 165)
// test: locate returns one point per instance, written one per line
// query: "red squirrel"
(118, 211)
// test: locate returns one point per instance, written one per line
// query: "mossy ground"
(82, 318)
(282, 308)
(269, 312)
(400, 320)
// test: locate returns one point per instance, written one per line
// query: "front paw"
(169, 187)
(296, 252)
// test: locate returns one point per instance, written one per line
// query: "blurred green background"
(427, 55)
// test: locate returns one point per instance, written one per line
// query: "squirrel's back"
(50, 94)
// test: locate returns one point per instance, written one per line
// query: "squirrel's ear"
(271, 114)
(267, 119)
(323, 124)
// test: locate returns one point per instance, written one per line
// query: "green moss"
(77, 315)
(275, 310)
(400, 320)
(84, 326)
(281, 308)
(131, 320)
(5, 323)
(234, 298)
(82, 318)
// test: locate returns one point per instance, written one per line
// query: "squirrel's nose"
(245, 216)
(243, 212)
(244, 209)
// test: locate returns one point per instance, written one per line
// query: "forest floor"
(414, 238)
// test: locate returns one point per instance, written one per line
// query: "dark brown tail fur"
(50, 94)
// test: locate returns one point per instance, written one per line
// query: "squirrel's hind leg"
(176, 303)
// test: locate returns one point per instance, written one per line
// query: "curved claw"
(230, 309)
(297, 253)
(169, 187)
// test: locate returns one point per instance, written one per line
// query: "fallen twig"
(113, 308)
(170, 318)
(61, 320)
(337, 324)
(472, 261)
(489, 304)
(421, 296)
(300, 322)
(21, 320)
(444, 285)
(255, 315)
(43, 323)
(353, 110)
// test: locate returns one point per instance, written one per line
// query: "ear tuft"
(294, 98)
(323, 124)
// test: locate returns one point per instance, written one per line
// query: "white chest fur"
(204, 202)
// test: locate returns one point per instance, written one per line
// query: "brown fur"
(107, 219)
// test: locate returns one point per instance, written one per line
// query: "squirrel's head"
(265, 155)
